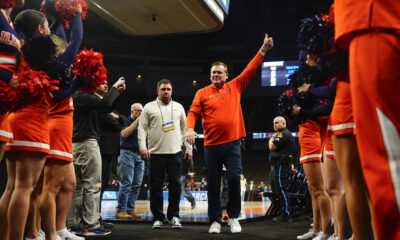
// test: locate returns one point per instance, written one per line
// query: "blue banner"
(198, 195)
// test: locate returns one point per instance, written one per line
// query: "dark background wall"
(184, 58)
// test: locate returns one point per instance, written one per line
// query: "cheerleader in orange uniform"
(341, 126)
(59, 174)
(25, 156)
(9, 53)
(10, 49)
(372, 36)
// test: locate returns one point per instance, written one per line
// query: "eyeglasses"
(136, 110)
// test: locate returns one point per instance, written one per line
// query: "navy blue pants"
(214, 156)
(281, 178)
(159, 163)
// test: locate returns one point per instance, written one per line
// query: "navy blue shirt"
(131, 142)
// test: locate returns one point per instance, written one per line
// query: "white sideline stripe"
(310, 156)
(340, 126)
(391, 139)
(29, 144)
(60, 153)
(6, 134)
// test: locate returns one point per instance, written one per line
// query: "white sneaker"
(333, 237)
(176, 223)
(235, 225)
(157, 225)
(215, 228)
(42, 235)
(321, 236)
(66, 235)
(308, 235)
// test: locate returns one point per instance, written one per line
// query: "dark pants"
(159, 163)
(281, 178)
(250, 196)
(214, 156)
(224, 195)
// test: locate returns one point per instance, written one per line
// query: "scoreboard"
(277, 73)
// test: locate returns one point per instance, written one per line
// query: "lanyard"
(172, 112)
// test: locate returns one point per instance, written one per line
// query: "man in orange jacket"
(223, 126)
(372, 36)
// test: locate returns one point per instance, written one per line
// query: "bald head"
(136, 110)
(279, 123)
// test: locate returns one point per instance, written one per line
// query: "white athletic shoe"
(42, 235)
(215, 228)
(176, 223)
(333, 237)
(235, 225)
(321, 236)
(308, 235)
(157, 225)
(66, 235)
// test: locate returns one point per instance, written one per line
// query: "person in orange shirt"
(373, 39)
(219, 106)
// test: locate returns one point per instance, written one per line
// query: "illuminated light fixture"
(216, 9)
(273, 76)
(139, 77)
(273, 64)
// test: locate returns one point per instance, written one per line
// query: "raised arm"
(126, 132)
(247, 74)
(89, 101)
(57, 28)
(268, 43)
(75, 41)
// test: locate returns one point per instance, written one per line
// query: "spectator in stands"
(261, 190)
(131, 166)
(243, 186)
(219, 106)
(280, 146)
(162, 126)
(251, 189)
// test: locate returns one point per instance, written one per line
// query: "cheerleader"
(59, 174)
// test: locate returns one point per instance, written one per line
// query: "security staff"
(280, 146)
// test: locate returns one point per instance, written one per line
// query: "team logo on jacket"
(8, 38)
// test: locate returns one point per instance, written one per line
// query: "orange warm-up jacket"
(220, 110)
(353, 16)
